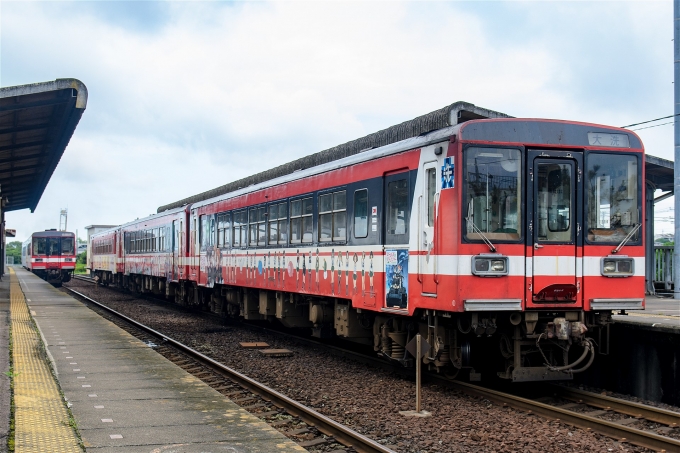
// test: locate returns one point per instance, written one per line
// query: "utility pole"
(676, 165)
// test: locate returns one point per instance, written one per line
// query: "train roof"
(52, 233)
(448, 116)
(143, 219)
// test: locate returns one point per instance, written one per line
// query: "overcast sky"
(187, 96)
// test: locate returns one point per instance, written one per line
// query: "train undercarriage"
(519, 346)
(54, 276)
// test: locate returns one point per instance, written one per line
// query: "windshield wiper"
(474, 227)
(627, 238)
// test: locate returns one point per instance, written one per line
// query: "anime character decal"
(396, 278)
(213, 266)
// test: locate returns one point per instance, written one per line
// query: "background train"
(51, 255)
(507, 243)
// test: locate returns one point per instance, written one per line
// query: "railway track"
(591, 419)
(251, 394)
(606, 415)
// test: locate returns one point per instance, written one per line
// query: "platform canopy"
(36, 123)
(659, 172)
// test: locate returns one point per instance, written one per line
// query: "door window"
(361, 213)
(555, 201)
(397, 212)
(431, 176)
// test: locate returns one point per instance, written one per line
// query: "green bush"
(80, 268)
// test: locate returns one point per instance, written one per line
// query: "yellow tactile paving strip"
(41, 419)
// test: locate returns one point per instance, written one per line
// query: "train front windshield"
(493, 194)
(53, 246)
(612, 194)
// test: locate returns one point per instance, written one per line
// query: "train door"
(175, 249)
(194, 247)
(427, 206)
(396, 224)
(556, 200)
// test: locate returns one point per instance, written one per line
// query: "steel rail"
(631, 408)
(341, 433)
(620, 432)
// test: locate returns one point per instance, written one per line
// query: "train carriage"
(466, 225)
(51, 255)
(144, 255)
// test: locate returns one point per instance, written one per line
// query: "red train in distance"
(51, 255)
(475, 229)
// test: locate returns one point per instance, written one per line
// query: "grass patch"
(80, 269)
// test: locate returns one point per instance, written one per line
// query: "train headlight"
(490, 265)
(498, 266)
(617, 266)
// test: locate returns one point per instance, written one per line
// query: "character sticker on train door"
(448, 173)
(396, 278)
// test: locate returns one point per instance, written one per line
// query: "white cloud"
(210, 92)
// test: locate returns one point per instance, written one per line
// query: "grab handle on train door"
(435, 238)
(537, 246)
(418, 275)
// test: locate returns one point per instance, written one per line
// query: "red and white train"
(468, 226)
(51, 255)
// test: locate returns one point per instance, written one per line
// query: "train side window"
(361, 213)
(301, 221)
(332, 216)
(283, 223)
(240, 228)
(223, 230)
(257, 226)
(278, 223)
(262, 226)
(397, 207)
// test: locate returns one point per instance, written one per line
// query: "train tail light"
(617, 266)
(490, 265)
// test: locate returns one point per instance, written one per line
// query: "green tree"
(14, 249)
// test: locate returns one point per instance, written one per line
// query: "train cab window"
(397, 211)
(67, 246)
(614, 205)
(493, 183)
(223, 230)
(278, 223)
(40, 246)
(333, 216)
(361, 213)
(301, 221)
(240, 228)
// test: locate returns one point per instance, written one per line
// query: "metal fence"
(663, 267)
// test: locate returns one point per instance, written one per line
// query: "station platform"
(662, 314)
(123, 396)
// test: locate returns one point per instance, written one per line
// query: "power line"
(651, 121)
(656, 125)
